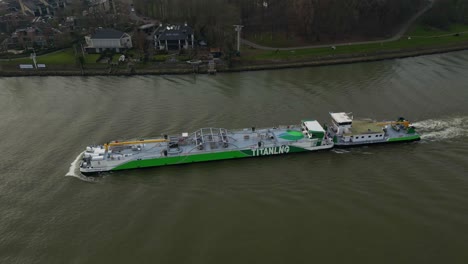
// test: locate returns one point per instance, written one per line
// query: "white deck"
(341, 117)
(314, 126)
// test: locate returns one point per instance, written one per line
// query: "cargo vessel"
(206, 144)
(347, 132)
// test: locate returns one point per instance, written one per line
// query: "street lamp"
(33, 57)
(238, 28)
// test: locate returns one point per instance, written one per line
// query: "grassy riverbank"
(418, 41)
(344, 59)
(240, 65)
(418, 37)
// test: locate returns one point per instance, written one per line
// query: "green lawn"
(115, 58)
(279, 40)
(419, 30)
(402, 44)
(62, 57)
(183, 58)
(91, 58)
(67, 57)
(160, 58)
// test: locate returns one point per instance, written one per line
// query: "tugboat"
(347, 132)
(206, 144)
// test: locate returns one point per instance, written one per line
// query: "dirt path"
(397, 36)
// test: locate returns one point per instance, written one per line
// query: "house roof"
(26, 30)
(173, 32)
(30, 4)
(107, 33)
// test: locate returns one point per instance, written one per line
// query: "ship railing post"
(201, 132)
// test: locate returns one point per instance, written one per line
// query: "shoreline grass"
(450, 37)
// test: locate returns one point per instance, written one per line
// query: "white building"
(108, 39)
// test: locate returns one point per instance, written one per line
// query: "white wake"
(340, 151)
(442, 129)
(74, 171)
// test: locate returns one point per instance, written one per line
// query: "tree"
(316, 20)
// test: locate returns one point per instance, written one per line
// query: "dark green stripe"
(410, 138)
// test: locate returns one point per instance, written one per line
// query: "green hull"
(402, 139)
(390, 140)
(207, 157)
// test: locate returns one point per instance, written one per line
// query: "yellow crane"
(404, 123)
(133, 142)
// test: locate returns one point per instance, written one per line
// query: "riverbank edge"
(246, 66)
(350, 59)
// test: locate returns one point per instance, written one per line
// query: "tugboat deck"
(365, 127)
(348, 132)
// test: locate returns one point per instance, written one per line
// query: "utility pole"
(82, 50)
(238, 28)
(33, 57)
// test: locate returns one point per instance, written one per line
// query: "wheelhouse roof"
(341, 117)
(314, 126)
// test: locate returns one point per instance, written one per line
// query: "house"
(4, 7)
(96, 6)
(39, 35)
(41, 7)
(35, 7)
(68, 24)
(173, 37)
(56, 4)
(108, 39)
(12, 21)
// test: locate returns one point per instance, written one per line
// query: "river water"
(403, 203)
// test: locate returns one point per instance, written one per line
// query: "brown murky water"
(405, 203)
